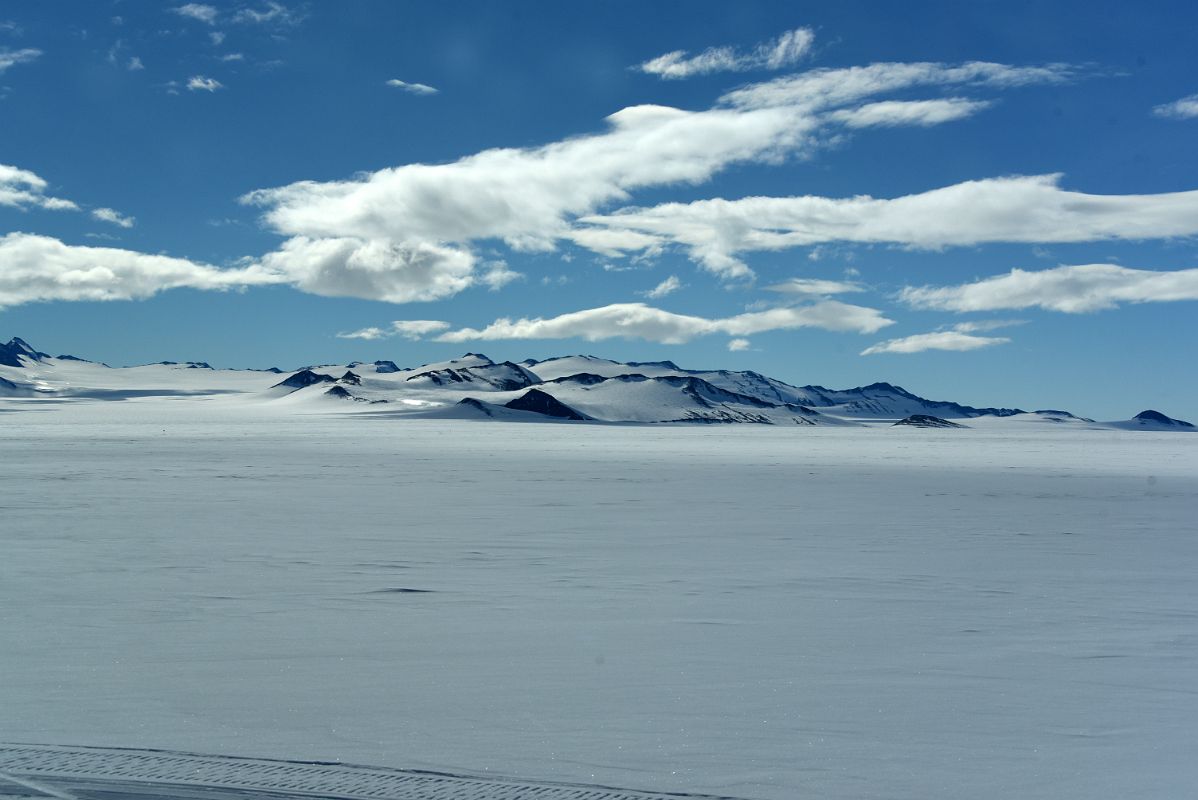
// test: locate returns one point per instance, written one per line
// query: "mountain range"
(579, 388)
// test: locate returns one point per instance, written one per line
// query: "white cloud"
(781, 52)
(827, 88)
(134, 64)
(39, 268)
(10, 57)
(413, 329)
(201, 83)
(378, 269)
(941, 340)
(532, 198)
(498, 275)
(640, 321)
(983, 325)
(666, 287)
(198, 11)
(737, 345)
(924, 113)
(411, 88)
(113, 216)
(369, 334)
(1071, 289)
(1185, 108)
(217, 37)
(273, 13)
(1015, 209)
(232, 57)
(815, 286)
(20, 188)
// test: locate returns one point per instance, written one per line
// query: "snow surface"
(772, 612)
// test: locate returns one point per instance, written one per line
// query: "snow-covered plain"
(767, 612)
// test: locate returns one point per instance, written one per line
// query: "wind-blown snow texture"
(765, 612)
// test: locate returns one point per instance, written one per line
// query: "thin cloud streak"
(783, 51)
(1070, 289)
(641, 321)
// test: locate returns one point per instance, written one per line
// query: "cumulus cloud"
(20, 188)
(499, 275)
(1185, 108)
(666, 287)
(737, 345)
(1032, 209)
(199, 83)
(532, 198)
(777, 53)
(402, 272)
(940, 340)
(40, 268)
(815, 286)
(113, 216)
(407, 328)
(1071, 289)
(640, 321)
(411, 88)
(198, 11)
(9, 57)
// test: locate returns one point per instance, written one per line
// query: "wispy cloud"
(940, 340)
(20, 188)
(815, 286)
(412, 329)
(738, 345)
(666, 287)
(921, 113)
(1185, 108)
(198, 11)
(783, 51)
(498, 275)
(9, 57)
(640, 321)
(1071, 289)
(134, 64)
(199, 83)
(411, 88)
(1031, 209)
(272, 13)
(113, 216)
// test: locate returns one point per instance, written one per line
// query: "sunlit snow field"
(763, 612)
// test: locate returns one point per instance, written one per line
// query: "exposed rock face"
(10, 353)
(304, 378)
(927, 421)
(350, 377)
(541, 403)
(1160, 419)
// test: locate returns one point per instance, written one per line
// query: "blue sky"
(994, 203)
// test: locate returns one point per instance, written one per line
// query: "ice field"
(761, 612)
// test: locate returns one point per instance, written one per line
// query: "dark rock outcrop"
(304, 378)
(542, 403)
(928, 421)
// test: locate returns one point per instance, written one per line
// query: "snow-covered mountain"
(571, 388)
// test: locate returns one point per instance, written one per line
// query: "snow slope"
(597, 389)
